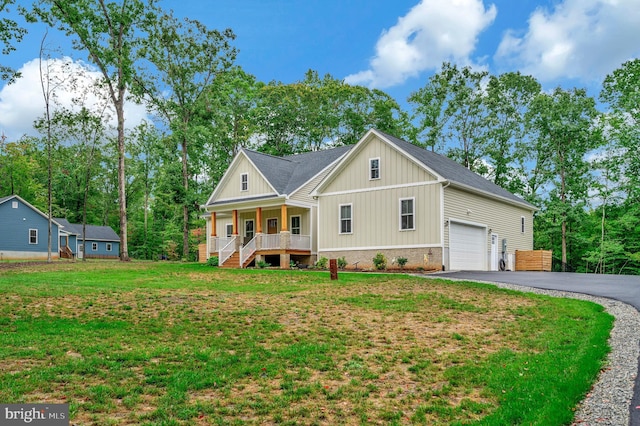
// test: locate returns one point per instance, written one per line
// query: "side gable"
(229, 187)
(17, 220)
(396, 168)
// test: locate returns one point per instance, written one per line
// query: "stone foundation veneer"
(425, 258)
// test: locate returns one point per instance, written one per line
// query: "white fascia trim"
(248, 204)
(343, 159)
(382, 188)
(494, 196)
(224, 178)
(319, 173)
(437, 245)
(466, 222)
(295, 203)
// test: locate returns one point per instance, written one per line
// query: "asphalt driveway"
(618, 287)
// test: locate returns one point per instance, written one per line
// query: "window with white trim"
(94, 246)
(33, 236)
(374, 168)
(296, 225)
(109, 247)
(345, 219)
(229, 228)
(244, 182)
(407, 214)
(522, 227)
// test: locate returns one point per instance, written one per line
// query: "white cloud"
(432, 32)
(22, 102)
(581, 39)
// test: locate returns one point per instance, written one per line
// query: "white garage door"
(467, 247)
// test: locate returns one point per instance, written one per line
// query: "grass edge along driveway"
(161, 343)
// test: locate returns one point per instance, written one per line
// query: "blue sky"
(392, 45)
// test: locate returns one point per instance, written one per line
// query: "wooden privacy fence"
(533, 260)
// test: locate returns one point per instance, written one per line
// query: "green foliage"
(402, 261)
(342, 262)
(322, 263)
(380, 261)
(262, 264)
(213, 261)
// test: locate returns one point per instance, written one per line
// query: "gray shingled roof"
(286, 174)
(94, 232)
(452, 171)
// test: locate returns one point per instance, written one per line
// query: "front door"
(272, 226)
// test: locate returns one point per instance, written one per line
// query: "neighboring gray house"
(24, 231)
(101, 242)
(382, 194)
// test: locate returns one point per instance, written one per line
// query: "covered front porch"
(277, 234)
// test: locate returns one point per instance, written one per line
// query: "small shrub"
(292, 264)
(322, 263)
(342, 262)
(262, 264)
(213, 261)
(402, 261)
(380, 262)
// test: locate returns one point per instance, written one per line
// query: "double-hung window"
(374, 168)
(522, 228)
(33, 236)
(244, 182)
(407, 214)
(109, 247)
(295, 225)
(345, 219)
(94, 246)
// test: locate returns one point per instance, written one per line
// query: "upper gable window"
(374, 168)
(14, 204)
(522, 227)
(244, 182)
(407, 214)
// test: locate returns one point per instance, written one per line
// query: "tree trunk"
(185, 206)
(122, 196)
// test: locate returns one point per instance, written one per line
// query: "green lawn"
(161, 343)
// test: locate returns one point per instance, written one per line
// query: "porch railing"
(247, 250)
(300, 242)
(226, 251)
(217, 243)
(270, 241)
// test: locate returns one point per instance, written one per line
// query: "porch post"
(284, 226)
(213, 225)
(235, 222)
(259, 220)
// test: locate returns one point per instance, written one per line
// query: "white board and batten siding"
(231, 187)
(375, 203)
(472, 218)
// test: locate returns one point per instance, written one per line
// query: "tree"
(184, 57)
(451, 110)
(621, 91)
(109, 32)
(10, 32)
(565, 129)
(508, 98)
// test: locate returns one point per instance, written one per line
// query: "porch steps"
(233, 261)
